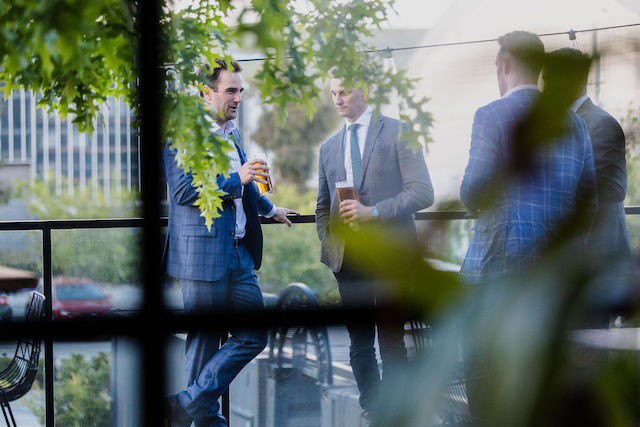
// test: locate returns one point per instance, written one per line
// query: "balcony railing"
(138, 324)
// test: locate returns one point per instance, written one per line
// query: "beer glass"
(260, 157)
(346, 191)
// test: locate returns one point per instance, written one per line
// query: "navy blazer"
(608, 141)
(609, 237)
(195, 253)
(395, 179)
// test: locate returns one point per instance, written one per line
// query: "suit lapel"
(235, 136)
(370, 142)
(337, 153)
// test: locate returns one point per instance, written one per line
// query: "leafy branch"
(76, 54)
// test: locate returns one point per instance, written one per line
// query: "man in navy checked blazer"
(518, 210)
(216, 268)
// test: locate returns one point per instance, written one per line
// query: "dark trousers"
(357, 290)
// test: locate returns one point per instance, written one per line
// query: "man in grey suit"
(392, 183)
(216, 268)
(609, 237)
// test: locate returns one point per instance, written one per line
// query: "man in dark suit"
(520, 208)
(392, 183)
(609, 237)
(216, 268)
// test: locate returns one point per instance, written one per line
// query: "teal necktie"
(356, 160)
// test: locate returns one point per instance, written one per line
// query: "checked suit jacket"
(518, 212)
(195, 253)
(395, 179)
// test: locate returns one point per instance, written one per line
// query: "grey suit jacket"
(395, 179)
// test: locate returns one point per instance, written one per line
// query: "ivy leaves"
(77, 53)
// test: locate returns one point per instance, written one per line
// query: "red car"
(75, 297)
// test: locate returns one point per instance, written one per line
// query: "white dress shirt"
(363, 121)
(234, 165)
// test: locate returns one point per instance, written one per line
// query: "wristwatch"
(375, 213)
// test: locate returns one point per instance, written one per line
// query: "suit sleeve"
(417, 192)
(323, 200)
(179, 183)
(480, 172)
(609, 152)
(586, 194)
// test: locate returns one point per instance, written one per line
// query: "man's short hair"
(212, 74)
(574, 60)
(526, 48)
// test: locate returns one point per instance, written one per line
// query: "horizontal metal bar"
(136, 324)
(67, 224)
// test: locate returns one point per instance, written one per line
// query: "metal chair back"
(18, 377)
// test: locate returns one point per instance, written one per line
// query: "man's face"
(224, 101)
(349, 103)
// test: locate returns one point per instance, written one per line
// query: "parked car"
(76, 297)
(6, 312)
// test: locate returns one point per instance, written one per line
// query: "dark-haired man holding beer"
(391, 182)
(216, 267)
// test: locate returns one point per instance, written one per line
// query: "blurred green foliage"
(77, 53)
(293, 255)
(294, 143)
(82, 390)
(631, 125)
(109, 255)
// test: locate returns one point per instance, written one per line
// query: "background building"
(105, 160)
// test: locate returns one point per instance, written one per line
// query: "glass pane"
(293, 256)
(20, 271)
(95, 272)
(83, 389)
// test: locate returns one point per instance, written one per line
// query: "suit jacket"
(395, 179)
(195, 253)
(609, 237)
(608, 142)
(525, 208)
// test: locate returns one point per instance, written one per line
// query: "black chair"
(17, 378)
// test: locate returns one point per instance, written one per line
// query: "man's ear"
(207, 92)
(507, 64)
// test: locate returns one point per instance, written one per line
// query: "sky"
(460, 79)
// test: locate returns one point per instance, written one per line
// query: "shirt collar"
(364, 119)
(230, 126)
(578, 102)
(519, 88)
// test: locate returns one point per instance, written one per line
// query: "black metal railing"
(165, 321)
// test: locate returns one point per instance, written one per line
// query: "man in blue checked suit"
(523, 184)
(392, 182)
(521, 202)
(216, 268)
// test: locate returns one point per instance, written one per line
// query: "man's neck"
(358, 115)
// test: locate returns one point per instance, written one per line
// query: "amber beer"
(346, 191)
(262, 188)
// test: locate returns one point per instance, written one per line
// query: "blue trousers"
(210, 366)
